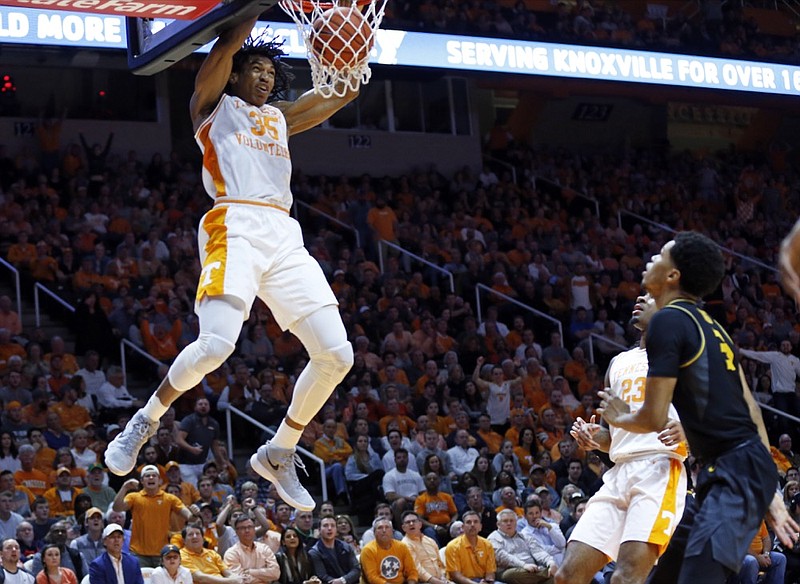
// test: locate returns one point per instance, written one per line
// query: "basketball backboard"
(154, 44)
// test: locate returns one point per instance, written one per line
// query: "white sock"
(286, 436)
(154, 409)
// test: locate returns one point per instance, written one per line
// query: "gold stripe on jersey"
(700, 330)
(665, 520)
(210, 160)
(212, 277)
(227, 201)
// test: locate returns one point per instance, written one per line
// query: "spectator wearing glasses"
(424, 550)
(170, 571)
(251, 559)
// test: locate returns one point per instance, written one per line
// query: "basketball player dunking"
(692, 363)
(250, 246)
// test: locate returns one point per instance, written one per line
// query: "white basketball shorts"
(640, 500)
(250, 250)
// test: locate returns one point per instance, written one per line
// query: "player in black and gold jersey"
(693, 364)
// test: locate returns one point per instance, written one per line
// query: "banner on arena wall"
(178, 9)
(413, 49)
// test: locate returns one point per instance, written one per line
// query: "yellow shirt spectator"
(473, 562)
(150, 528)
(332, 448)
(73, 416)
(206, 561)
(437, 509)
(392, 565)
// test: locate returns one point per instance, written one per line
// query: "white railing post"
(583, 196)
(602, 339)
(478, 309)
(448, 274)
(126, 343)
(229, 431)
(741, 256)
(15, 271)
(330, 218)
(539, 313)
(36, 306)
(36, 287)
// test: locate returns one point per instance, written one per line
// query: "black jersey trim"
(699, 329)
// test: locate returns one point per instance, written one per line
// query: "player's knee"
(212, 351)
(564, 575)
(338, 360)
(625, 574)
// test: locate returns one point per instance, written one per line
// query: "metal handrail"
(330, 218)
(750, 259)
(584, 196)
(448, 274)
(126, 343)
(779, 412)
(479, 287)
(602, 339)
(15, 271)
(232, 409)
(36, 287)
(507, 165)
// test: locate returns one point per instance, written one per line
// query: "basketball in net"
(338, 38)
(341, 37)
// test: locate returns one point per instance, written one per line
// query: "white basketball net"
(339, 77)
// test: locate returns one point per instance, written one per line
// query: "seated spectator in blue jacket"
(113, 563)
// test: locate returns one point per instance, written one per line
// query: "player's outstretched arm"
(216, 70)
(311, 109)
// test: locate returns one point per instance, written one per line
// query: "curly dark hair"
(272, 49)
(700, 263)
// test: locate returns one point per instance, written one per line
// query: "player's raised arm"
(311, 109)
(216, 70)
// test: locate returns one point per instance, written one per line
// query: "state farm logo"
(180, 9)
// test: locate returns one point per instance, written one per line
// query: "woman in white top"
(8, 453)
(170, 571)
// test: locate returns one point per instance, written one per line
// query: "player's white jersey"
(628, 378)
(246, 153)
